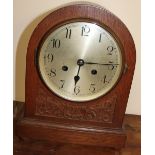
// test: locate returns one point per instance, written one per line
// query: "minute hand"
(94, 63)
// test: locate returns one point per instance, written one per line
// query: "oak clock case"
(79, 69)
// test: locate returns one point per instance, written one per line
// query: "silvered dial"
(80, 61)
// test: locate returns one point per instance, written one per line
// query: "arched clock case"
(79, 69)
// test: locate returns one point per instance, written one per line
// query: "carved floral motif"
(47, 106)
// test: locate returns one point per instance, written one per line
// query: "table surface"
(131, 124)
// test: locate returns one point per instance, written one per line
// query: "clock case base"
(54, 132)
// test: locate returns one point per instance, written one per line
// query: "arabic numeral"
(62, 84)
(111, 67)
(68, 33)
(85, 30)
(92, 88)
(52, 72)
(100, 37)
(49, 57)
(110, 50)
(55, 43)
(76, 90)
(105, 79)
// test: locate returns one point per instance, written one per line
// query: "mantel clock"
(79, 69)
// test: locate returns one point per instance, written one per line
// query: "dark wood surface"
(131, 124)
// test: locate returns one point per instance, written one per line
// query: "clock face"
(80, 61)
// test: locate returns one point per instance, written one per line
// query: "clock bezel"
(92, 21)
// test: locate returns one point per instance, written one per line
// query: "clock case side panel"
(37, 92)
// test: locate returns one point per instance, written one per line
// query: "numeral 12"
(85, 31)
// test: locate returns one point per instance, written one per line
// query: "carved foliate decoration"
(47, 106)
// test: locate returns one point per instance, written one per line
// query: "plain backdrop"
(28, 13)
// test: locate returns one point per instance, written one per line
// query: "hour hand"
(76, 79)
(80, 63)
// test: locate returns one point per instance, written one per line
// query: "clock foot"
(44, 130)
(28, 147)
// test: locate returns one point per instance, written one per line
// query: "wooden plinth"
(44, 130)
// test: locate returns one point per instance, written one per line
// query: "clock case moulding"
(97, 122)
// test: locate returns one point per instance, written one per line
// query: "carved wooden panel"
(100, 112)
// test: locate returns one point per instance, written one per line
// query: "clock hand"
(80, 63)
(93, 63)
(77, 77)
